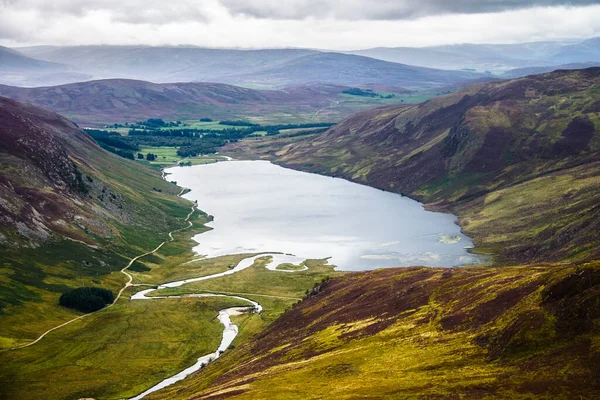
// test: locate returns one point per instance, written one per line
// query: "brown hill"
(122, 100)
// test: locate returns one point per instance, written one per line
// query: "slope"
(416, 333)
(518, 161)
(70, 215)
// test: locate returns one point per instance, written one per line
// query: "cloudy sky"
(326, 24)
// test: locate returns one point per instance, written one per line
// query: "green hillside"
(71, 214)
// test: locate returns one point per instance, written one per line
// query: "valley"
(440, 248)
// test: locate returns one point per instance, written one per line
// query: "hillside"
(70, 215)
(416, 333)
(518, 161)
(97, 103)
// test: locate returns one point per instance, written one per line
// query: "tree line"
(190, 141)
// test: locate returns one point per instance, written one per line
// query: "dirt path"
(331, 105)
(127, 284)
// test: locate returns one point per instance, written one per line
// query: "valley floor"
(150, 341)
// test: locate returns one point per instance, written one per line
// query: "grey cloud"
(381, 9)
(129, 11)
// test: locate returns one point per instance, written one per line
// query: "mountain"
(587, 50)
(256, 68)
(17, 68)
(420, 333)
(276, 68)
(12, 59)
(496, 58)
(70, 215)
(480, 57)
(519, 72)
(344, 69)
(163, 64)
(518, 161)
(121, 100)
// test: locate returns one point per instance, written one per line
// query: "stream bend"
(230, 330)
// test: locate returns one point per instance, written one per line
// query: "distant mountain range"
(267, 69)
(411, 68)
(496, 58)
(17, 68)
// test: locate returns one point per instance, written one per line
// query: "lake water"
(261, 207)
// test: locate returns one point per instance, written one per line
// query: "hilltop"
(101, 102)
(517, 160)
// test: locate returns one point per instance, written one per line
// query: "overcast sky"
(326, 24)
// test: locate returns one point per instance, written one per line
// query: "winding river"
(292, 216)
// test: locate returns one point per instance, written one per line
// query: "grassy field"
(115, 354)
(167, 156)
(275, 290)
(33, 278)
(146, 341)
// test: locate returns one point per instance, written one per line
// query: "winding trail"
(230, 330)
(127, 284)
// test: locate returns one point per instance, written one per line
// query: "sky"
(322, 24)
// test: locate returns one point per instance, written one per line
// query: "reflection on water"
(261, 207)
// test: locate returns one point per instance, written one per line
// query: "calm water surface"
(261, 207)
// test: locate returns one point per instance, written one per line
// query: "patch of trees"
(112, 141)
(367, 93)
(205, 120)
(154, 122)
(192, 141)
(237, 123)
(86, 299)
(209, 146)
(307, 132)
(150, 157)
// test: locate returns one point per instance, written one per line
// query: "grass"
(538, 215)
(144, 341)
(117, 353)
(489, 333)
(167, 156)
(139, 216)
(275, 290)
